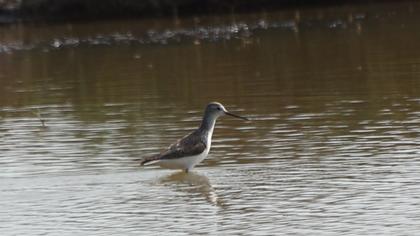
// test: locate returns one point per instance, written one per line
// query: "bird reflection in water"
(197, 183)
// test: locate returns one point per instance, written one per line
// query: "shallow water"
(332, 148)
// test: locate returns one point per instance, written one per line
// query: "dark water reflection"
(193, 183)
(333, 147)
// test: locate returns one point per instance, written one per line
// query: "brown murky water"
(333, 148)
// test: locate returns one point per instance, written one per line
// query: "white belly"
(184, 162)
(190, 161)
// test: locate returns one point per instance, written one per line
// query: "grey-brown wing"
(188, 146)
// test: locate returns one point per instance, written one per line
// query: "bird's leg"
(186, 170)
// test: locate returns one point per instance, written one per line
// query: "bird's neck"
(207, 125)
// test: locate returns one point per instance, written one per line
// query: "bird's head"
(215, 109)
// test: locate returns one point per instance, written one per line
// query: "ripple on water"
(292, 174)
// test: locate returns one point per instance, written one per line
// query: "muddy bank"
(29, 10)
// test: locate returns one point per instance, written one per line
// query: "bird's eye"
(218, 108)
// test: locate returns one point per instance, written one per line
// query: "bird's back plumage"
(190, 145)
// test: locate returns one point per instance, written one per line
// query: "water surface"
(333, 148)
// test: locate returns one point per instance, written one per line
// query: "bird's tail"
(149, 160)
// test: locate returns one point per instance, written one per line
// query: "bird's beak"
(240, 117)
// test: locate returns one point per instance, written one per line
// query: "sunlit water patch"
(195, 30)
